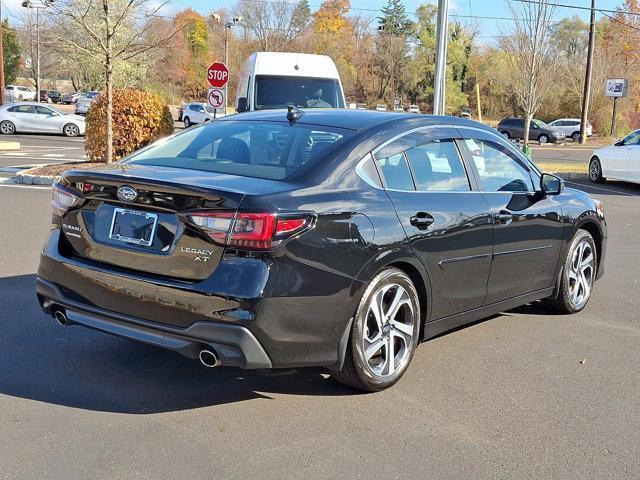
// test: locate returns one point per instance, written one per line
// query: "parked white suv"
(19, 93)
(195, 113)
(413, 109)
(571, 128)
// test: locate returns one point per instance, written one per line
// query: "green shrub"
(139, 118)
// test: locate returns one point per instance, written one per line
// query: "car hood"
(78, 118)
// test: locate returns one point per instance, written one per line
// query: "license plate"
(132, 226)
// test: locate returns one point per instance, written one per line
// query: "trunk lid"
(145, 228)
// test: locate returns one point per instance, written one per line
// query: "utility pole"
(440, 77)
(478, 98)
(587, 78)
(1, 60)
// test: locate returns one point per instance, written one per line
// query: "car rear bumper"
(234, 344)
(255, 314)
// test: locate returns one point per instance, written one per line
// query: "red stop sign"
(218, 75)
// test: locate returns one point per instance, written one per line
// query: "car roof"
(354, 119)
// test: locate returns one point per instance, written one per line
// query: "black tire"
(358, 372)
(187, 122)
(595, 171)
(505, 134)
(71, 130)
(7, 127)
(564, 302)
(575, 136)
(543, 138)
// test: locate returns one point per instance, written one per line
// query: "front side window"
(632, 139)
(274, 91)
(437, 166)
(498, 168)
(43, 110)
(270, 150)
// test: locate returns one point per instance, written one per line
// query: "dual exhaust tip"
(208, 358)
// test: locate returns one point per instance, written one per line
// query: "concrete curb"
(34, 179)
(9, 145)
(572, 176)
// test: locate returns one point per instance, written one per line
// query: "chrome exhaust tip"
(209, 358)
(61, 318)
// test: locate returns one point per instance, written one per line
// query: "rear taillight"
(254, 231)
(62, 200)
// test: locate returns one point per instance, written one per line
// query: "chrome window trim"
(360, 172)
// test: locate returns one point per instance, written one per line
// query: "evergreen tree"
(11, 52)
(394, 19)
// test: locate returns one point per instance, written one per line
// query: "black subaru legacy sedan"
(335, 238)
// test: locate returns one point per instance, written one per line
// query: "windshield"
(270, 150)
(540, 123)
(274, 91)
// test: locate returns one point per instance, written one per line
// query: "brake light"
(62, 200)
(254, 231)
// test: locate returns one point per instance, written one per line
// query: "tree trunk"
(108, 64)
(527, 124)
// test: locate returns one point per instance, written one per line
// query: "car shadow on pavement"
(77, 367)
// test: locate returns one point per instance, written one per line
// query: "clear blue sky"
(488, 28)
(483, 8)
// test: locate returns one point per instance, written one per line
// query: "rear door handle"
(421, 220)
(503, 217)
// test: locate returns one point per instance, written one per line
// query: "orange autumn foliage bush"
(139, 118)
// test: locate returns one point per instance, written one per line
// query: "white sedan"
(618, 162)
(36, 118)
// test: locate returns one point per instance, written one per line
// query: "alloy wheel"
(7, 128)
(71, 130)
(581, 273)
(594, 170)
(388, 330)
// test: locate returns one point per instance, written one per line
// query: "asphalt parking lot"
(525, 394)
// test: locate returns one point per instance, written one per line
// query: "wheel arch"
(594, 229)
(409, 264)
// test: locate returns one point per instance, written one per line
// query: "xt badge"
(200, 255)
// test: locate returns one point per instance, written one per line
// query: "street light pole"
(440, 77)
(1, 60)
(37, 54)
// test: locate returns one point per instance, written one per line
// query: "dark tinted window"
(395, 172)
(271, 150)
(498, 168)
(632, 138)
(437, 166)
(23, 109)
(272, 91)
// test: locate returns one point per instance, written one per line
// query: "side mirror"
(619, 143)
(243, 105)
(551, 185)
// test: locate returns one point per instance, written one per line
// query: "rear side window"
(437, 166)
(395, 172)
(270, 150)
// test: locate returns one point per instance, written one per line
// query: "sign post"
(616, 88)
(218, 76)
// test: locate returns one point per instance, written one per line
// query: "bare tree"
(275, 24)
(531, 54)
(109, 31)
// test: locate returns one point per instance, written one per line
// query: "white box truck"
(279, 79)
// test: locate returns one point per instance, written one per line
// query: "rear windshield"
(274, 91)
(270, 150)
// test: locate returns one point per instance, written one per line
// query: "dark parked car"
(51, 96)
(538, 130)
(335, 238)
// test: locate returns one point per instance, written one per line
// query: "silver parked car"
(35, 118)
(71, 97)
(84, 102)
(195, 113)
(571, 128)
